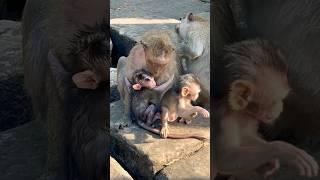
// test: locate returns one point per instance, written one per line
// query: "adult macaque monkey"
(252, 83)
(48, 28)
(156, 54)
(195, 34)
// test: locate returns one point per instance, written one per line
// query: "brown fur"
(145, 56)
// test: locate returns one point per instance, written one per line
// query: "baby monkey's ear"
(240, 94)
(184, 91)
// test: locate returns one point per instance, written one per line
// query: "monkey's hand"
(203, 112)
(164, 131)
(269, 168)
(292, 155)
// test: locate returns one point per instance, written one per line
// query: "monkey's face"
(147, 81)
(157, 63)
(183, 28)
(265, 112)
(262, 100)
(267, 103)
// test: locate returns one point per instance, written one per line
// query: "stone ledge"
(144, 153)
(197, 166)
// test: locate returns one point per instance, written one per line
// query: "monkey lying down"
(175, 103)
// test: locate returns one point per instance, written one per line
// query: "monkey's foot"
(187, 121)
(164, 132)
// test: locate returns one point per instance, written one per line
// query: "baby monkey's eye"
(147, 79)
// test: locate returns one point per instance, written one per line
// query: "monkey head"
(262, 99)
(90, 52)
(88, 59)
(259, 81)
(143, 79)
(159, 52)
(189, 87)
(183, 28)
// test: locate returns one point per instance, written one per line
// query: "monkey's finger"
(314, 167)
(300, 167)
(306, 167)
(312, 164)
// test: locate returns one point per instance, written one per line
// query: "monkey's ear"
(190, 17)
(240, 94)
(136, 87)
(85, 80)
(184, 91)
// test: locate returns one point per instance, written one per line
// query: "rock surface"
(196, 166)
(15, 106)
(10, 49)
(117, 172)
(143, 153)
(114, 93)
(23, 152)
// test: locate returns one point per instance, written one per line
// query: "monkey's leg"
(164, 122)
(156, 117)
(149, 114)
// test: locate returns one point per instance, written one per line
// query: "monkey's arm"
(233, 157)
(232, 160)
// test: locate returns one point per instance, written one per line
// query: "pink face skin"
(147, 82)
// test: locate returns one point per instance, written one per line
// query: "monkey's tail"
(171, 136)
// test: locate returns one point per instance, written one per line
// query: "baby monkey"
(176, 102)
(143, 79)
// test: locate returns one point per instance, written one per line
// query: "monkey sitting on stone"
(176, 102)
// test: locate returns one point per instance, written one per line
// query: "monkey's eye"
(147, 79)
(180, 18)
(140, 76)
